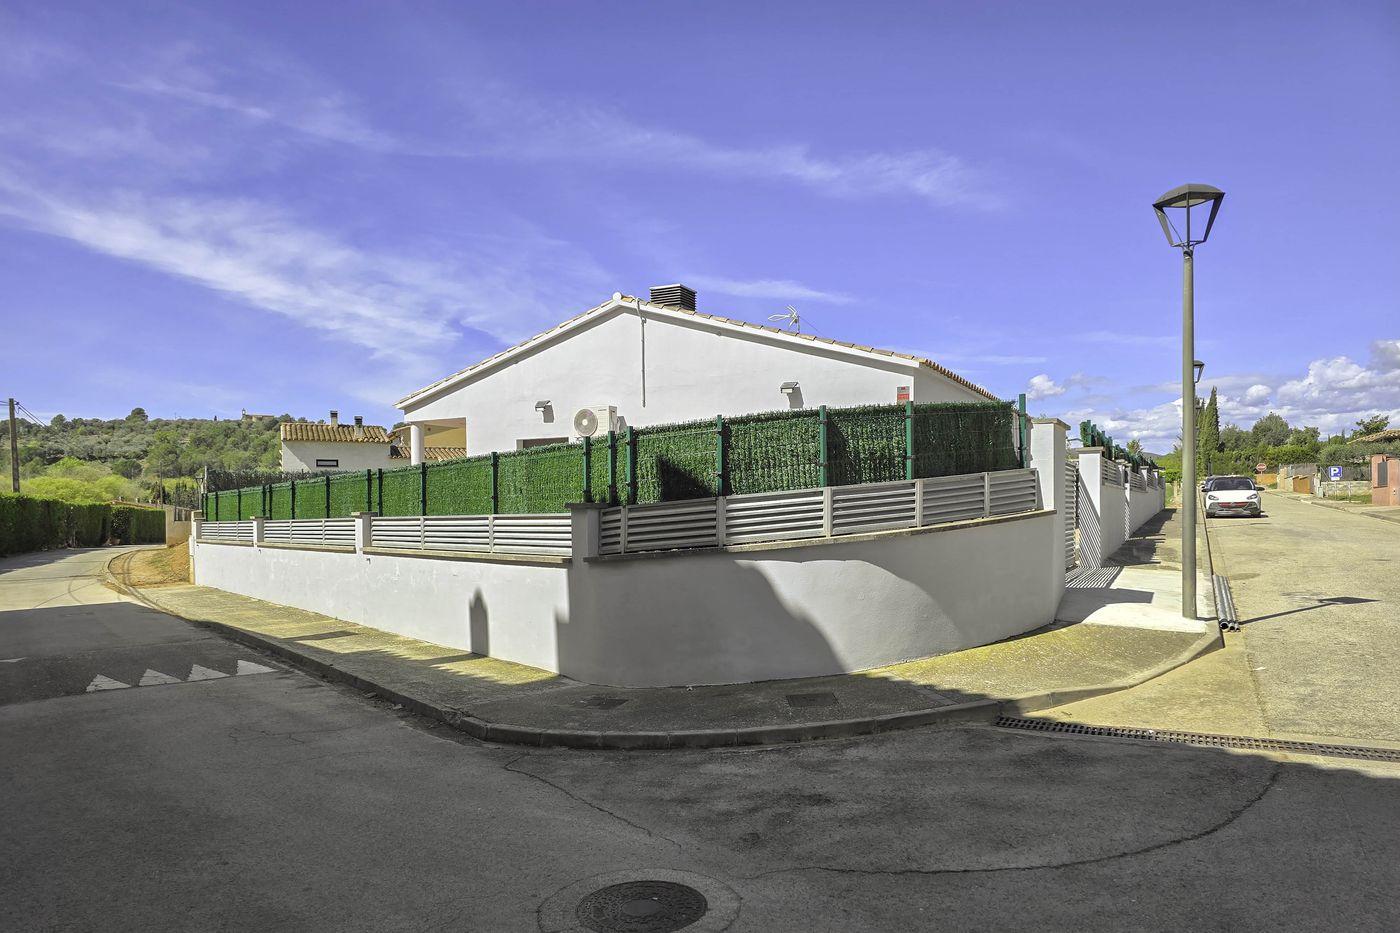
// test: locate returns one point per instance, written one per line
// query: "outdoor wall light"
(1199, 367)
(788, 388)
(543, 405)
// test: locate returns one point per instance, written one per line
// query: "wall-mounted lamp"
(543, 405)
(789, 387)
(1199, 367)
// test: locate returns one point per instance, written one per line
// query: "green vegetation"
(1272, 441)
(761, 453)
(31, 523)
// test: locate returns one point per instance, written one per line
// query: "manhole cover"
(641, 907)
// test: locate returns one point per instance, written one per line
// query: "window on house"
(327, 463)
(525, 442)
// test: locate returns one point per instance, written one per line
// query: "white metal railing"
(335, 532)
(1112, 473)
(226, 531)
(1137, 481)
(520, 534)
(1071, 499)
(815, 513)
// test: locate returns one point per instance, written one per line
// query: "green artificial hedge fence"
(765, 452)
(28, 523)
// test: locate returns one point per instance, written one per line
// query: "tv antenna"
(791, 316)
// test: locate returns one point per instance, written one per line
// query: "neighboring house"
(634, 362)
(328, 447)
(334, 446)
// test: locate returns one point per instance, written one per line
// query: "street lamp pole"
(1188, 433)
(1180, 201)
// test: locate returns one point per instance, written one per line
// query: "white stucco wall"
(505, 610)
(302, 455)
(689, 618)
(694, 369)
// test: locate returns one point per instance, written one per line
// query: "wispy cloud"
(404, 310)
(776, 289)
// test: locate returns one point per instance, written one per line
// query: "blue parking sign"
(1334, 472)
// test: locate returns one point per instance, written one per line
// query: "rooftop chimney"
(335, 416)
(359, 426)
(673, 296)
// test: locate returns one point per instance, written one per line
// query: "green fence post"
(379, 483)
(328, 495)
(824, 471)
(423, 488)
(238, 498)
(588, 469)
(909, 440)
(631, 465)
(1023, 428)
(612, 468)
(721, 459)
(369, 490)
(292, 509)
(495, 483)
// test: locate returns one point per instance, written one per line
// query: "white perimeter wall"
(694, 369)
(698, 618)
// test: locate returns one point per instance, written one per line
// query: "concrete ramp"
(1134, 597)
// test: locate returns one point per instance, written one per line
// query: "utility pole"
(1188, 434)
(14, 450)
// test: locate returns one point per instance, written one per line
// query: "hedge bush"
(29, 523)
(765, 452)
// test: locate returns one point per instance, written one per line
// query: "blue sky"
(297, 207)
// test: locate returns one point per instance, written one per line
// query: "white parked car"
(1232, 495)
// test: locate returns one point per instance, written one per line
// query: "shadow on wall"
(1090, 535)
(479, 624)
(667, 623)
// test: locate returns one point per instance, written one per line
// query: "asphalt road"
(271, 801)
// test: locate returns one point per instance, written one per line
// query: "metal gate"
(1071, 499)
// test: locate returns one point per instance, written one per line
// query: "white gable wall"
(353, 455)
(695, 369)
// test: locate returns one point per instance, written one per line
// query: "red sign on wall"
(901, 394)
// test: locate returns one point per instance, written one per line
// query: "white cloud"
(408, 312)
(1042, 386)
(776, 289)
(1257, 394)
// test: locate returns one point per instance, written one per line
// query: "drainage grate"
(809, 700)
(641, 907)
(1201, 738)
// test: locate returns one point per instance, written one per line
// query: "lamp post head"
(1199, 367)
(1181, 201)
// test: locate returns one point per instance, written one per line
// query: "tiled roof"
(1380, 437)
(941, 370)
(431, 454)
(338, 433)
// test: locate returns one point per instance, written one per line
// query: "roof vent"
(335, 416)
(673, 296)
(360, 426)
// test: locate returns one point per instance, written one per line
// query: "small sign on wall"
(1334, 472)
(901, 394)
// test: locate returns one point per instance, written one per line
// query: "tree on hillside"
(164, 456)
(1270, 430)
(1135, 447)
(1208, 435)
(137, 414)
(57, 421)
(125, 466)
(1304, 436)
(1372, 424)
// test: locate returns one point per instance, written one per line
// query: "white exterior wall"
(679, 619)
(695, 369)
(506, 610)
(302, 455)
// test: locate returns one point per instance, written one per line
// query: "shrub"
(30, 523)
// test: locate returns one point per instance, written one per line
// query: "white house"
(326, 447)
(635, 362)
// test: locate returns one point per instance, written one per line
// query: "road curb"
(978, 711)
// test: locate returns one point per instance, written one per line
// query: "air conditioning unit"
(592, 422)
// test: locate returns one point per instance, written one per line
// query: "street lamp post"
(1181, 201)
